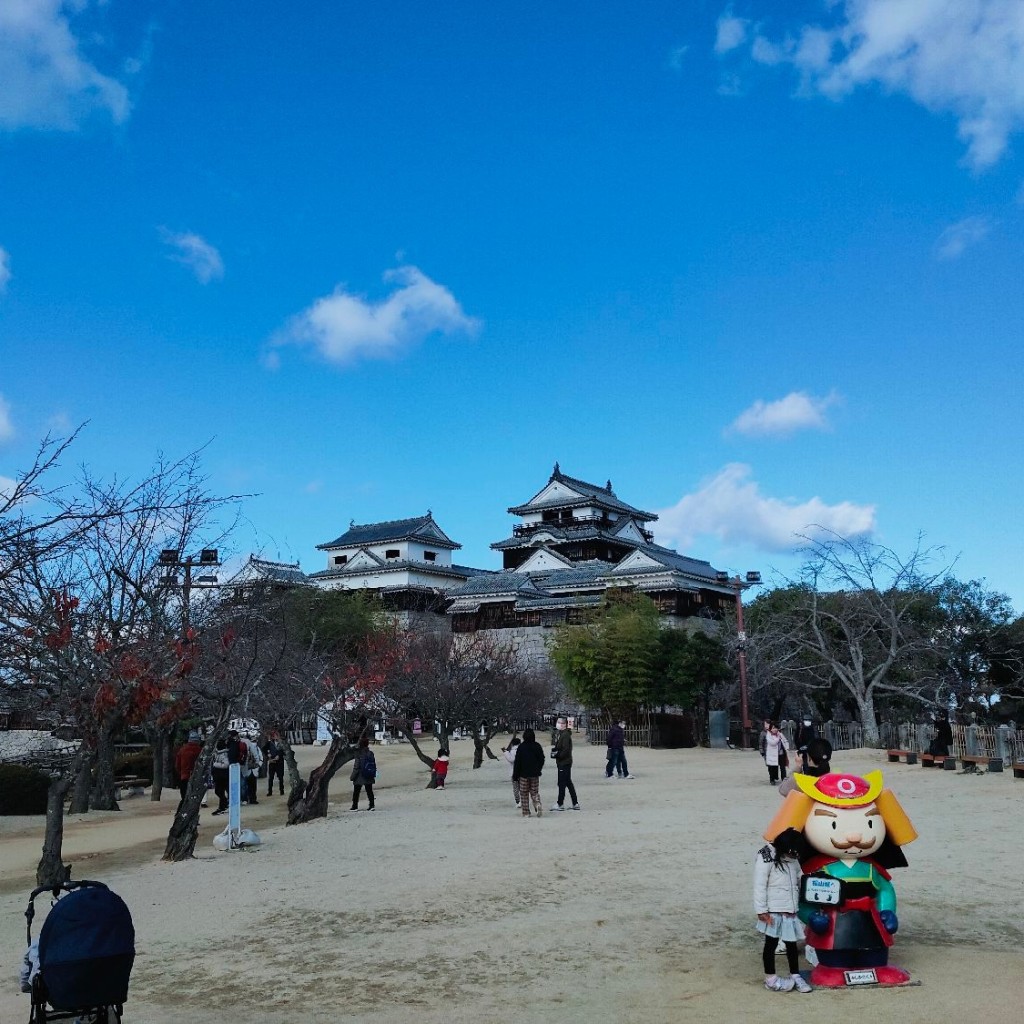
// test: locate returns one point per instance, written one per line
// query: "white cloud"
(731, 507)
(343, 327)
(964, 57)
(785, 416)
(5, 269)
(731, 32)
(7, 487)
(6, 424)
(959, 237)
(47, 82)
(195, 253)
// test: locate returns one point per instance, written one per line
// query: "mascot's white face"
(845, 832)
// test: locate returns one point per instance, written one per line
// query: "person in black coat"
(526, 770)
(943, 737)
(805, 732)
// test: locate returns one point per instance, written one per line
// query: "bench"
(946, 761)
(134, 784)
(1018, 769)
(993, 764)
(895, 755)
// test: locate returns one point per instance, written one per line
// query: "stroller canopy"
(87, 948)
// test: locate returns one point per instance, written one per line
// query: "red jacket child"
(441, 768)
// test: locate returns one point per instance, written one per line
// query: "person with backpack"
(251, 762)
(219, 771)
(364, 773)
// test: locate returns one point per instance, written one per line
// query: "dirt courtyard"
(450, 907)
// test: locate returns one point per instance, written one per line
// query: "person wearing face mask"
(805, 732)
(617, 752)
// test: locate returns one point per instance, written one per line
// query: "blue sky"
(759, 263)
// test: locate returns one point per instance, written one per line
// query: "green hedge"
(139, 764)
(22, 790)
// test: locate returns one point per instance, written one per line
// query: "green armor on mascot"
(854, 830)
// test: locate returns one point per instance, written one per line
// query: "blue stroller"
(86, 950)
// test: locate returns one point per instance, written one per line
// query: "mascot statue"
(853, 829)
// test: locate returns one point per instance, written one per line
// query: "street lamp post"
(171, 561)
(739, 585)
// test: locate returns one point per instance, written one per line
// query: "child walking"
(510, 757)
(776, 900)
(441, 768)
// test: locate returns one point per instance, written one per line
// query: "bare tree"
(236, 650)
(854, 619)
(469, 681)
(86, 637)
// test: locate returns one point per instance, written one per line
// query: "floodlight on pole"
(171, 560)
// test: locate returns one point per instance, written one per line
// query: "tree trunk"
(103, 784)
(82, 787)
(428, 761)
(52, 870)
(184, 831)
(480, 747)
(866, 709)
(310, 803)
(296, 783)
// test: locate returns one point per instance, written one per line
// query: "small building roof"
(262, 570)
(421, 528)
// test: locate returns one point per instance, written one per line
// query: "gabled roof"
(542, 553)
(421, 528)
(513, 584)
(261, 570)
(582, 493)
(683, 563)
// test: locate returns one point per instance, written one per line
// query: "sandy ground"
(450, 907)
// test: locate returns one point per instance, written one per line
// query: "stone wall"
(531, 641)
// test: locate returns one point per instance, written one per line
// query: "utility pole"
(207, 560)
(739, 585)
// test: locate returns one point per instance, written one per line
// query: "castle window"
(340, 559)
(392, 553)
(429, 556)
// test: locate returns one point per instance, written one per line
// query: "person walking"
(527, 767)
(185, 761)
(220, 775)
(440, 769)
(510, 758)
(819, 757)
(562, 753)
(275, 764)
(805, 732)
(251, 763)
(617, 751)
(774, 752)
(364, 773)
(776, 901)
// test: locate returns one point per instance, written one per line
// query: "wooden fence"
(1003, 741)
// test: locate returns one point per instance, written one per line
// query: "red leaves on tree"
(63, 608)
